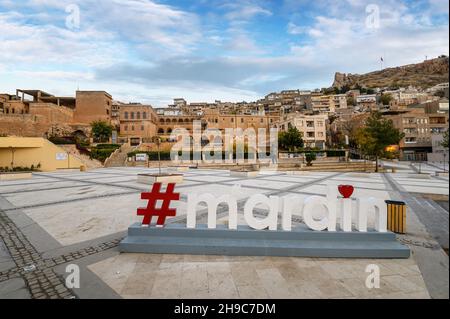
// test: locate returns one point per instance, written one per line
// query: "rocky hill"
(424, 75)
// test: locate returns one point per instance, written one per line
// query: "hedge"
(107, 146)
(61, 140)
(101, 154)
(329, 153)
(165, 155)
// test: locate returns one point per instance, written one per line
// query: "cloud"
(244, 10)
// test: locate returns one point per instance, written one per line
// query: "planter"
(179, 168)
(442, 174)
(157, 178)
(420, 176)
(15, 176)
(245, 173)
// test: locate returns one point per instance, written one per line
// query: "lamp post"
(445, 154)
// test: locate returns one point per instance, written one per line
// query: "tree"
(291, 139)
(444, 142)
(386, 99)
(351, 101)
(310, 157)
(376, 135)
(101, 131)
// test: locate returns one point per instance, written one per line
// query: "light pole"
(445, 154)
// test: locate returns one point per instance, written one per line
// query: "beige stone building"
(138, 123)
(419, 128)
(312, 127)
(35, 113)
(92, 106)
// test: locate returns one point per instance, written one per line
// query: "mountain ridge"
(424, 75)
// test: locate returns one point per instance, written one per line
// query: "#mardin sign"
(331, 235)
(335, 206)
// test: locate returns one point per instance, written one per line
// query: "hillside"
(424, 75)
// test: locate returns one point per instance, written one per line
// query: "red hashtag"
(162, 212)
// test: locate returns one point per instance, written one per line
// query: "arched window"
(161, 120)
(161, 131)
(169, 130)
(144, 115)
(138, 115)
(174, 120)
(126, 115)
(132, 115)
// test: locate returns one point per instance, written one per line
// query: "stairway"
(119, 157)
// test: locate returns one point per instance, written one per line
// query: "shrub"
(101, 154)
(107, 146)
(61, 140)
(310, 157)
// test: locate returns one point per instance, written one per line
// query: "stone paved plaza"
(61, 218)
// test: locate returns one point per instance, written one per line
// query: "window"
(138, 115)
(242, 120)
(132, 128)
(142, 127)
(126, 115)
(125, 128)
(232, 120)
(309, 123)
(410, 140)
(262, 120)
(144, 115)
(132, 115)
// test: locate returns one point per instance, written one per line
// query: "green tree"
(310, 157)
(351, 101)
(444, 142)
(291, 139)
(101, 131)
(376, 135)
(386, 99)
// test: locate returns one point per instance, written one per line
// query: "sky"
(152, 51)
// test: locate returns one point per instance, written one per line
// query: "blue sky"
(152, 51)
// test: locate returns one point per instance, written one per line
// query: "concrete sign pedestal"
(300, 242)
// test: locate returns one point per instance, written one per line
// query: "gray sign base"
(300, 242)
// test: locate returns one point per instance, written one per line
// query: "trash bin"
(396, 216)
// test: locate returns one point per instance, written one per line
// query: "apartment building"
(216, 120)
(419, 128)
(323, 103)
(367, 101)
(312, 127)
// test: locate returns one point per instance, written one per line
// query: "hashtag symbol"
(152, 198)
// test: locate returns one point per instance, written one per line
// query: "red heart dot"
(346, 190)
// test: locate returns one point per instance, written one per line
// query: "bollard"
(396, 216)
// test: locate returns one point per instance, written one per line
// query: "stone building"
(312, 127)
(138, 123)
(419, 128)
